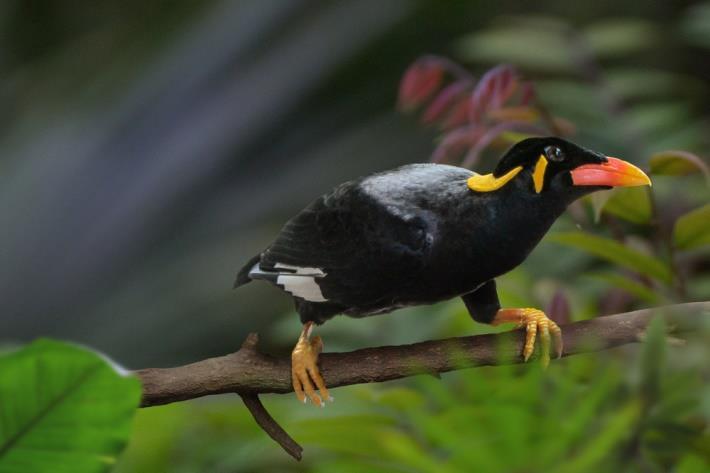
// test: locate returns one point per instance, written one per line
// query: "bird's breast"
(487, 240)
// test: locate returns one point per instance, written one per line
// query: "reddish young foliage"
(559, 310)
(473, 114)
(419, 82)
(448, 96)
(493, 90)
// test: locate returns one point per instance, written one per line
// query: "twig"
(270, 426)
(249, 373)
(262, 416)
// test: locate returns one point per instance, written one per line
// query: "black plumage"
(418, 235)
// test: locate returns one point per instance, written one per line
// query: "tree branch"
(249, 373)
(270, 426)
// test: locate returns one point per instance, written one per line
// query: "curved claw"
(535, 321)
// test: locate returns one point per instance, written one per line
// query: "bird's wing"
(347, 247)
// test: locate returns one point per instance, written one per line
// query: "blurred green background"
(148, 149)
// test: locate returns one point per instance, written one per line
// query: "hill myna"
(425, 233)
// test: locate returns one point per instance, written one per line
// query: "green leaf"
(401, 398)
(346, 434)
(692, 463)
(652, 358)
(579, 416)
(629, 285)
(677, 163)
(620, 37)
(527, 46)
(406, 451)
(599, 447)
(615, 252)
(631, 204)
(690, 133)
(642, 82)
(660, 117)
(696, 24)
(576, 101)
(598, 201)
(63, 409)
(692, 230)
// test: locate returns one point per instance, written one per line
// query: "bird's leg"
(534, 321)
(304, 368)
(484, 307)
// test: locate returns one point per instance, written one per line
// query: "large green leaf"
(615, 252)
(631, 203)
(62, 409)
(530, 45)
(617, 37)
(598, 200)
(677, 163)
(692, 230)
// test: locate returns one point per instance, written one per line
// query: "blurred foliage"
(63, 409)
(603, 77)
(473, 114)
(625, 410)
(693, 229)
(615, 252)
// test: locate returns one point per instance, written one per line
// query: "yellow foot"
(534, 321)
(304, 368)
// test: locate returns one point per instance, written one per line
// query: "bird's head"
(557, 167)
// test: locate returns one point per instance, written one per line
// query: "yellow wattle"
(488, 182)
(539, 174)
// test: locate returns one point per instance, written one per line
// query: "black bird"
(425, 233)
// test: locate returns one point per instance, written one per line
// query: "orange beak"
(613, 173)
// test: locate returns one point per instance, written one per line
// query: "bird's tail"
(243, 275)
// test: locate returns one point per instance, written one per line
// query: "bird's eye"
(554, 154)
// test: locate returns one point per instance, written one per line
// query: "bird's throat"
(515, 227)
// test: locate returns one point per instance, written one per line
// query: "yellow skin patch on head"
(539, 173)
(488, 182)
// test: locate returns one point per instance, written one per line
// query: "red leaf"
(505, 85)
(444, 100)
(419, 82)
(527, 93)
(457, 116)
(493, 90)
(456, 141)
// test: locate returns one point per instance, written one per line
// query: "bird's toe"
(549, 334)
(305, 375)
(535, 322)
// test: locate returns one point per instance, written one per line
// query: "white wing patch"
(301, 282)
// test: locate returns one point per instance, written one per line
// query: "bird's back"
(362, 247)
